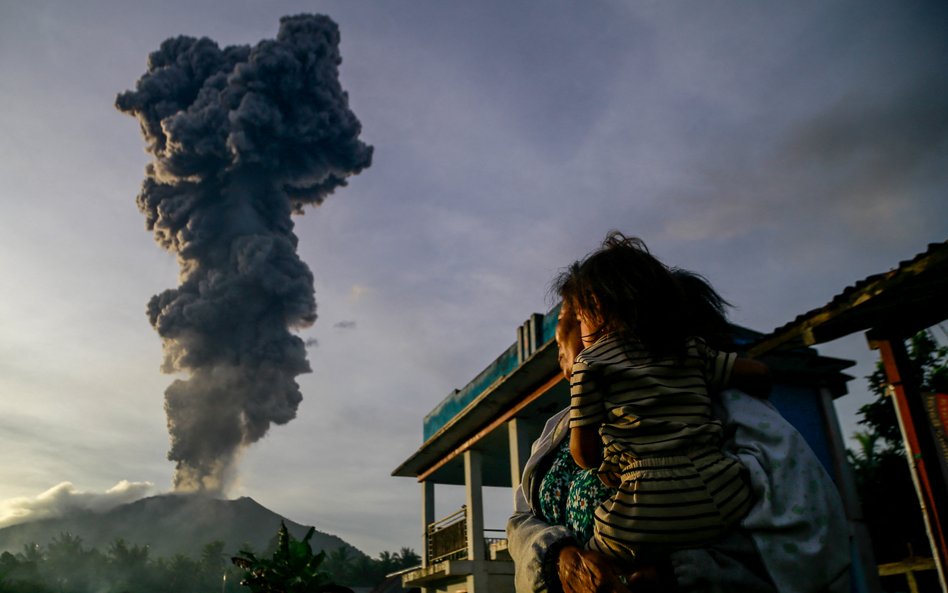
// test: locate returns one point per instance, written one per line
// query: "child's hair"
(635, 295)
(707, 310)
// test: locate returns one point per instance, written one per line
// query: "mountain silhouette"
(170, 524)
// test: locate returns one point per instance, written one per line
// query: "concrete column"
(477, 581)
(519, 450)
(427, 517)
(521, 344)
(474, 484)
(864, 562)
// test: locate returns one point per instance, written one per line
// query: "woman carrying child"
(553, 507)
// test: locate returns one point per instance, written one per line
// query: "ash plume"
(241, 138)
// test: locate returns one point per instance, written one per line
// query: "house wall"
(801, 406)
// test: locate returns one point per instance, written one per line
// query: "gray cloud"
(347, 324)
(242, 137)
(879, 148)
(864, 161)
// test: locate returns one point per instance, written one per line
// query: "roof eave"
(502, 394)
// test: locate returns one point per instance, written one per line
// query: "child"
(640, 403)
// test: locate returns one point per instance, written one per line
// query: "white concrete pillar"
(477, 580)
(474, 484)
(519, 450)
(427, 517)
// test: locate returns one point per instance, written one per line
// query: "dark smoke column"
(242, 138)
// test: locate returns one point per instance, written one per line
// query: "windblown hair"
(706, 310)
(631, 293)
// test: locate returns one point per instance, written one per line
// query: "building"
(890, 307)
(481, 435)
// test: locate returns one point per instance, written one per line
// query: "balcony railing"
(493, 536)
(447, 538)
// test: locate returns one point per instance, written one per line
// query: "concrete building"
(481, 435)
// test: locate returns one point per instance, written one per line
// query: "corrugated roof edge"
(779, 335)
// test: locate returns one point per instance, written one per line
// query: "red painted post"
(929, 485)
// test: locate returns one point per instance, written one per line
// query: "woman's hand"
(648, 579)
(588, 571)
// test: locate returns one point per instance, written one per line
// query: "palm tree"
(407, 558)
(865, 461)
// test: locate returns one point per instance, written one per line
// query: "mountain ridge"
(170, 524)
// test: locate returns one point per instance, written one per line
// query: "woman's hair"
(635, 295)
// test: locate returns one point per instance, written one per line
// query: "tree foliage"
(883, 480)
(67, 565)
(293, 568)
(928, 364)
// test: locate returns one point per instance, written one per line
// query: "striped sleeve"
(586, 399)
(717, 365)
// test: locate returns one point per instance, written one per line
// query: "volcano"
(170, 524)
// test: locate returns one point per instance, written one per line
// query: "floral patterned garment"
(570, 494)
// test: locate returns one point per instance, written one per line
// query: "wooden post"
(930, 484)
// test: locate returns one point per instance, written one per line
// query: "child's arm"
(750, 376)
(585, 446)
(586, 415)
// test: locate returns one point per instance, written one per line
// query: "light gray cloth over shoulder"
(799, 519)
(529, 538)
(779, 537)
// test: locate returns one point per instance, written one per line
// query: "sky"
(783, 150)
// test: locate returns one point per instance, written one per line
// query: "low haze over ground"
(784, 150)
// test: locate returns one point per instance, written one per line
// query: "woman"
(764, 556)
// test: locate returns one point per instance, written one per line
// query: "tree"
(339, 565)
(407, 558)
(32, 554)
(70, 565)
(8, 568)
(66, 565)
(14, 580)
(928, 363)
(883, 480)
(215, 571)
(130, 557)
(212, 556)
(180, 574)
(293, 568)
(29, 562)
